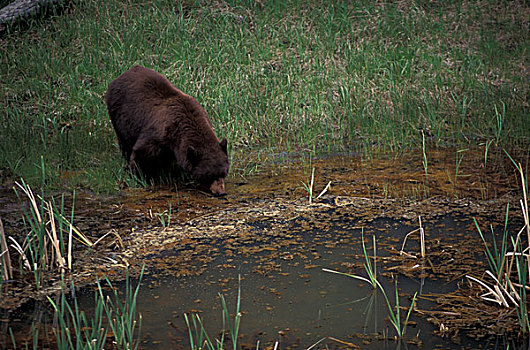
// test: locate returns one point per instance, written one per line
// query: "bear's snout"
(218, 187)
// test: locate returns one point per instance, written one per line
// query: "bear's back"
(145, 84)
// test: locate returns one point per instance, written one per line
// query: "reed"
(6, 270)
(421, 232)
(308, 186)
(369, 267)
(199, 337)
(48, 243)
(394, 312)
(165, 217)
(497, 255)
(458, 161)
(113, 317)
(123, 318)
(511, 269)
(73, 330)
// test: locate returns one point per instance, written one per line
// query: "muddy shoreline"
(273, 210)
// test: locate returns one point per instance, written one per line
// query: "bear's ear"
(193, 156)
(223, 145)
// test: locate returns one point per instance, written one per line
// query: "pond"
(268, 235)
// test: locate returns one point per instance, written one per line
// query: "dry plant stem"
(7, 272)
(422, 240)
(513, 254)
(324, 190)
(311, 188)
(105, 235)
(70, 247)
(20, 251)
(350, 345)
(318, 342)
(499, 299)
(524, 207)
(54, 239)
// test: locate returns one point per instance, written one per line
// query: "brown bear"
(157, 124)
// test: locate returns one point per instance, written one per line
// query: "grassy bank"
(290, 75)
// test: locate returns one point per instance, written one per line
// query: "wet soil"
(267, 220)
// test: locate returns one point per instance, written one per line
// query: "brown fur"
(157, 124)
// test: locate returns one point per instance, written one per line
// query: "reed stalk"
(421, 239)
(45, 247)
(199, 337)
(123, 318)
(510, 287)
(394, 316)
(308, 186)
(6, 270)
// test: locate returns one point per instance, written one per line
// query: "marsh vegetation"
(342, 118)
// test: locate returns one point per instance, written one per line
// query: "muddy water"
(287, 297)
(266, 232)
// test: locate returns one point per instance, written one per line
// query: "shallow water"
(266, 232)
(293, 301)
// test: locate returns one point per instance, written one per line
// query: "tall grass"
(123, 318)
(286, 75)
(73, 329)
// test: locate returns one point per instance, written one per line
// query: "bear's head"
(209, 166)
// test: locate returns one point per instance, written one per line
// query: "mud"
(267, 220)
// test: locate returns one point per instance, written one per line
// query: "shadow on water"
(266, 232)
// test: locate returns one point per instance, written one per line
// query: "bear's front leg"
(141, 150)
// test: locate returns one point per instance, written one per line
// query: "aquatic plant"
(165, 217)
(199, 338)
(425, 163)
(308, 186)
(123, 317)
(371, 270)
(424, 153)
(497, 255)
(458, 161)
(421, 239)
(394, 316)
(45, 247)
(75, 331)
(510, 288)
(6, 271)
(113, 317)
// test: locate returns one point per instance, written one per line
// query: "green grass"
(323, 75)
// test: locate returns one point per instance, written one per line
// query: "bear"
(157, 124)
